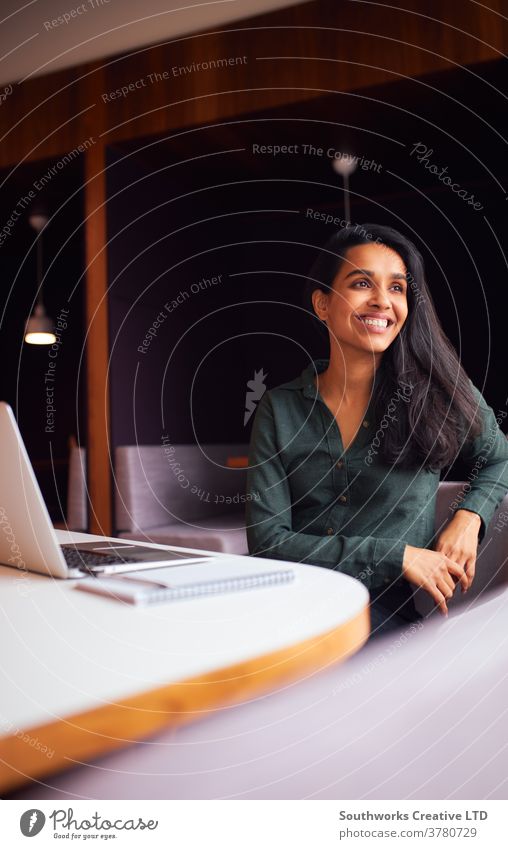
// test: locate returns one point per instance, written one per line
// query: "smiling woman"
(348, 456)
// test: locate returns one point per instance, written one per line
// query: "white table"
(84, 674)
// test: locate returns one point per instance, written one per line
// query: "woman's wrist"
(468, 517)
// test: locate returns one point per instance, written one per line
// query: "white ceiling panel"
(42, 36)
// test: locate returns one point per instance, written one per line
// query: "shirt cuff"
(388, 558)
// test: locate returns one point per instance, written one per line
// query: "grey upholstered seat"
(77, 502)
(224, 533)
(184, 495)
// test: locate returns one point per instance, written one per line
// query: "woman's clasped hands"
(452, 561)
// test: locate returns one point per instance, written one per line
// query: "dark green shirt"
(310, 501)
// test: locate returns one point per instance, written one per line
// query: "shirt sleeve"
(372, 560)
(487, 459)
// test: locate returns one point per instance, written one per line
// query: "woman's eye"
(359, 283)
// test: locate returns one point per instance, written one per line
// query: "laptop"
(29, 542)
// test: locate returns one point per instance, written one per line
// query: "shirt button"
(365, 423)
(329, 531)
(342, 499)
(339, 464)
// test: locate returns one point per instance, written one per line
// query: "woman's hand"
(433, 571)
(459, 541)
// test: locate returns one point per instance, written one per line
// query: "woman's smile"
(373, 323)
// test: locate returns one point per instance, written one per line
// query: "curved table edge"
(83, 736)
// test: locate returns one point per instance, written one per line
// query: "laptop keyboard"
(80, 559)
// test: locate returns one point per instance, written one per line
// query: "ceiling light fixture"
(344, 165)
(39, 328)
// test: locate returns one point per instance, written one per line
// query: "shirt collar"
(307, 384)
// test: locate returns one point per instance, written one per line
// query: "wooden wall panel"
(374, 44)
(97, 344)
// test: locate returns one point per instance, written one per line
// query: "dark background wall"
(233, 229)
(22, 377)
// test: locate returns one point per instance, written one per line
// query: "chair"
(187, 495)
(492, 561)
(77, 509)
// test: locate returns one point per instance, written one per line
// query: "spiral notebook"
(137, 590)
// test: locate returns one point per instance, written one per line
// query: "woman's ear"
(320, 304)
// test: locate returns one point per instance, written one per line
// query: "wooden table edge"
(72, 740)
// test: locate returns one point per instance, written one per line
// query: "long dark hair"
(420, 372)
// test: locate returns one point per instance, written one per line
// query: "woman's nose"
(379, 298)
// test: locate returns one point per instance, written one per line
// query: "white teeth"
(376, 322)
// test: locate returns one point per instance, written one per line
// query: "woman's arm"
(481, 494)
(487, 457)
(372, 560)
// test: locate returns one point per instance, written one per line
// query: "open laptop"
(28, 540)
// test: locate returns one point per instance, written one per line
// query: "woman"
(345, 460)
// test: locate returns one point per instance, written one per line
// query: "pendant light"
(39, 328)
(345, 165)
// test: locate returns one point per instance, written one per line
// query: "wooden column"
(97, 343)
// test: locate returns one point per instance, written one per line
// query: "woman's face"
(367, 303)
